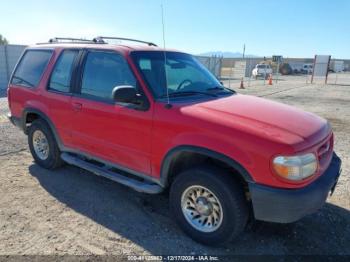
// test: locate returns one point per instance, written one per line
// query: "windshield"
(181, 74)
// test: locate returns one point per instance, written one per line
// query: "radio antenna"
(165, 59)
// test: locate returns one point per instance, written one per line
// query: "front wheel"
(209, 205)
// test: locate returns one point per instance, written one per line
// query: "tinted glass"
(103, 72)
(31, 68)
(180, 72)
(62, 73)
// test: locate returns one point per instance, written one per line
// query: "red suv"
(154, 119)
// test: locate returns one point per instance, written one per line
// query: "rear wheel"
(209, 205)
(43, 146)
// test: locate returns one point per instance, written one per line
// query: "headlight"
(295, 168)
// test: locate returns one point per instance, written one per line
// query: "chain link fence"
(213, 63)
(339, 78)
(234, 72)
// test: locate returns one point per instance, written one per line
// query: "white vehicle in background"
(336, 66)
(296, 67)
(262, 70)
(307, 68)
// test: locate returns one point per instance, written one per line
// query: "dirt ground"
(71, 211)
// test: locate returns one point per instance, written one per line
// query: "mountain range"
(226, 54)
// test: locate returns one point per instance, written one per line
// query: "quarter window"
(62, 73)
(31, 68)
(103, 72)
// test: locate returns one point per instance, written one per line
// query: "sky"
(292, 28)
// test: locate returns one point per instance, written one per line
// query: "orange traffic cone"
(242, 85)
(270, 80)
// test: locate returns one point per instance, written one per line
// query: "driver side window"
(102, 72)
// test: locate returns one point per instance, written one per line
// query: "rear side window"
(102, 72)
(62, 73)
(31, 68)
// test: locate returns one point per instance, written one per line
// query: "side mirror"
(125, 94)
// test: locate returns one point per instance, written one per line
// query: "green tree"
(3, 40)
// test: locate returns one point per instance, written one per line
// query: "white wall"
(9, 55)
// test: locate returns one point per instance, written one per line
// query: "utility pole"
(243, 62)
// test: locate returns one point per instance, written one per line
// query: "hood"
(267, 118)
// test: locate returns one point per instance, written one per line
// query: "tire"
(51, 159)
(230, 196)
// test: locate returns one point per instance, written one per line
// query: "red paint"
(248, 129)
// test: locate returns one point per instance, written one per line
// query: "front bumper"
(289, 205)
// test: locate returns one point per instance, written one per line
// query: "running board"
(140, 186)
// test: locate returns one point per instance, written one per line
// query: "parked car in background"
(296, 67)
(336, 66)
(262, 70)
(307, 69)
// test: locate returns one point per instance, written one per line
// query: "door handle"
(77, 106)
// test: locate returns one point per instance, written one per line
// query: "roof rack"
(96, 40)
(100, 39)
(68, 40)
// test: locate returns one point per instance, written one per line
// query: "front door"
(103, 128)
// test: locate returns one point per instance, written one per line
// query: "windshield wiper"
(216, 88)
(220, 88)
(188, 93)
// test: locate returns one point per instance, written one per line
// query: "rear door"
(59, 93)
(102, 128)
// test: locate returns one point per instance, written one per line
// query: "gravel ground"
(71, 211)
